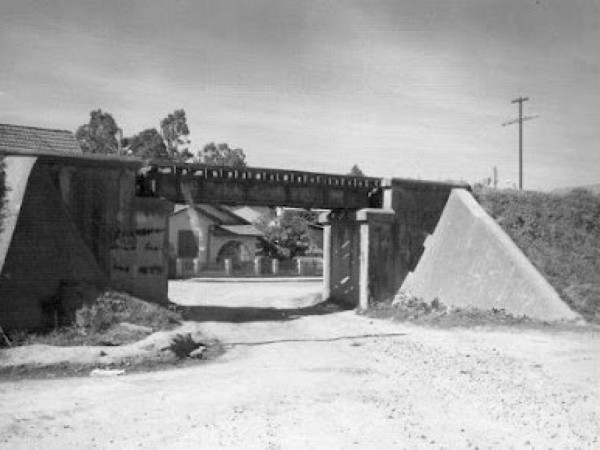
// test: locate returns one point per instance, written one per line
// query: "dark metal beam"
(257, 186)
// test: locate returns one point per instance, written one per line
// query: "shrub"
(182, 345)
(112, 308)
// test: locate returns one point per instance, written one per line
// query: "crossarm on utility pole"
(520, 121)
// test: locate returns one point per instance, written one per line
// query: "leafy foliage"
(356, 171)
(148, 144)
(287, 236)
(99, 135)
(222, 155)
(175, 132)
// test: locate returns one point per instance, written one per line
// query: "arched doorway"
(236, 251)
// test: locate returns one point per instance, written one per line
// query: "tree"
(288, 233)
(356, 171)
(99, 135)
(222, 155)
(148, 144)
(175, 133)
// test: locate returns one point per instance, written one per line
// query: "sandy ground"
(325, 381)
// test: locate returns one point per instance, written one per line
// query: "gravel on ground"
(326, 379)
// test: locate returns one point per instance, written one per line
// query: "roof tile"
(16, 137)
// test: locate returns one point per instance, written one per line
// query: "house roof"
(32, 139)
(242, 230)
(179, 208)
(223, 214)
(249, 213)
(217, 213)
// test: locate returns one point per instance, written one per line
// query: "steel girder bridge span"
(200, 183)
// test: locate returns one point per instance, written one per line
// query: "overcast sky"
(411, 88)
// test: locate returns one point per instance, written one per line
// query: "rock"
(186, 345)
(197, 353)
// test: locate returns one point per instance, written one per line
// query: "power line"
(520, 121)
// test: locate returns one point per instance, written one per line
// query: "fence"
(260, 267)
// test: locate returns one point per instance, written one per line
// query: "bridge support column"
(324, 219)
(357, 249)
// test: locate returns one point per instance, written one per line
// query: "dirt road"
(293, 379)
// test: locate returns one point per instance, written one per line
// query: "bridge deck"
(258, 186)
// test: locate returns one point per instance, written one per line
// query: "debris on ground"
(186, 346)
(109, 330)
(152, 352)
(107, 372)
(198, 352)
(412, 309)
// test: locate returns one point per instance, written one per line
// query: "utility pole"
(495, 177)
(520, 121)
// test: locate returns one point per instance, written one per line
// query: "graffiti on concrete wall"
(140, 258)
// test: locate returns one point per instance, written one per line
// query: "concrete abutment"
(369, 252)
(432, 241)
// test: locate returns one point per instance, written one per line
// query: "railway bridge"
(72, 218)
(69, 220)
(373, 234)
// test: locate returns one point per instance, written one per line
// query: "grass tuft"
(435, 313)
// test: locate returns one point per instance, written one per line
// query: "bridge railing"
(265, 175)
(290, 187)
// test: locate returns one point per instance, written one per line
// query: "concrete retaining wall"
(470, 262)
(418, 206)
(73, 222)
(45, 252)
(100, 201)
(140, 266)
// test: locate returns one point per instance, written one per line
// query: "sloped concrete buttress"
(469, 261)
(17, 170)
(46, 252)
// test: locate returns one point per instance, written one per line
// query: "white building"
(211, 233)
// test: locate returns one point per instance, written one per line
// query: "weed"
(416, 310)
(183, 345)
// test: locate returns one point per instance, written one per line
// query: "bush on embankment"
(560, 234)
(110, 318)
